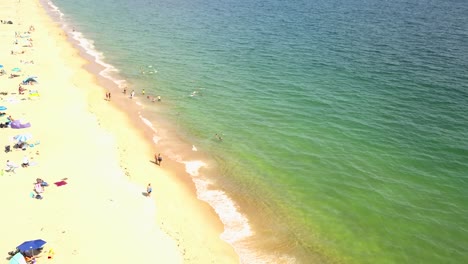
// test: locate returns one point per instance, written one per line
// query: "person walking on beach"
(125, 90)
(149, 190)
(143, 92)
(158, 159)
(132, 94)
(109, 96)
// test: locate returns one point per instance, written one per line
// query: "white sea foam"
(156, 139)
(236, 226)
(54, 8)
(147, 122)
(193, 167)
(150, 125)
(109, 70)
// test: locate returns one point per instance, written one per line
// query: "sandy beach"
(101, 214)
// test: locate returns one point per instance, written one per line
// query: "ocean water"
(344, 123)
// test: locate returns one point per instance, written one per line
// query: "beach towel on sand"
(60, 183)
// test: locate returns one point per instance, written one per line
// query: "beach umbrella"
(1, 66)
(17, 259)
(31, 245)
(23, 137)
(16, 69)
(30, 79)
(2, 108)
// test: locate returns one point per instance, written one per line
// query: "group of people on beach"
(132, 95)
(157, 157)
(11, 166)
(152, 98)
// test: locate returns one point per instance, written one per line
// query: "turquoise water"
(344, 124)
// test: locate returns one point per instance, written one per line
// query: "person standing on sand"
(125, 90)
(132, 94)
(109, 96)
(149, 190)
(25, 163)
(159, 159)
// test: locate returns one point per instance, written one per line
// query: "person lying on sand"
(27, 62)
(17, 52)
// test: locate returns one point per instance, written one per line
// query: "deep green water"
(344, 122)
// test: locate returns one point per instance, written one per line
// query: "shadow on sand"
(154, 162)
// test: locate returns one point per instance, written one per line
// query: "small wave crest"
(55, 9)
(109, 71)
(193, 167)
(148, 123)
(236, 226)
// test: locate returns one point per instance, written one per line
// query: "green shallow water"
(344, 123)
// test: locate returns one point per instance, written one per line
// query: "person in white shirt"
(25, 162)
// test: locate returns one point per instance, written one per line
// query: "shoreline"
(202, 214)
(171, 193)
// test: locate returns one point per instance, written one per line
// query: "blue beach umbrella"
(31, 245)
(2, 108)
(1, 66)
(23, 137)
(30, 79)
(16, 69)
